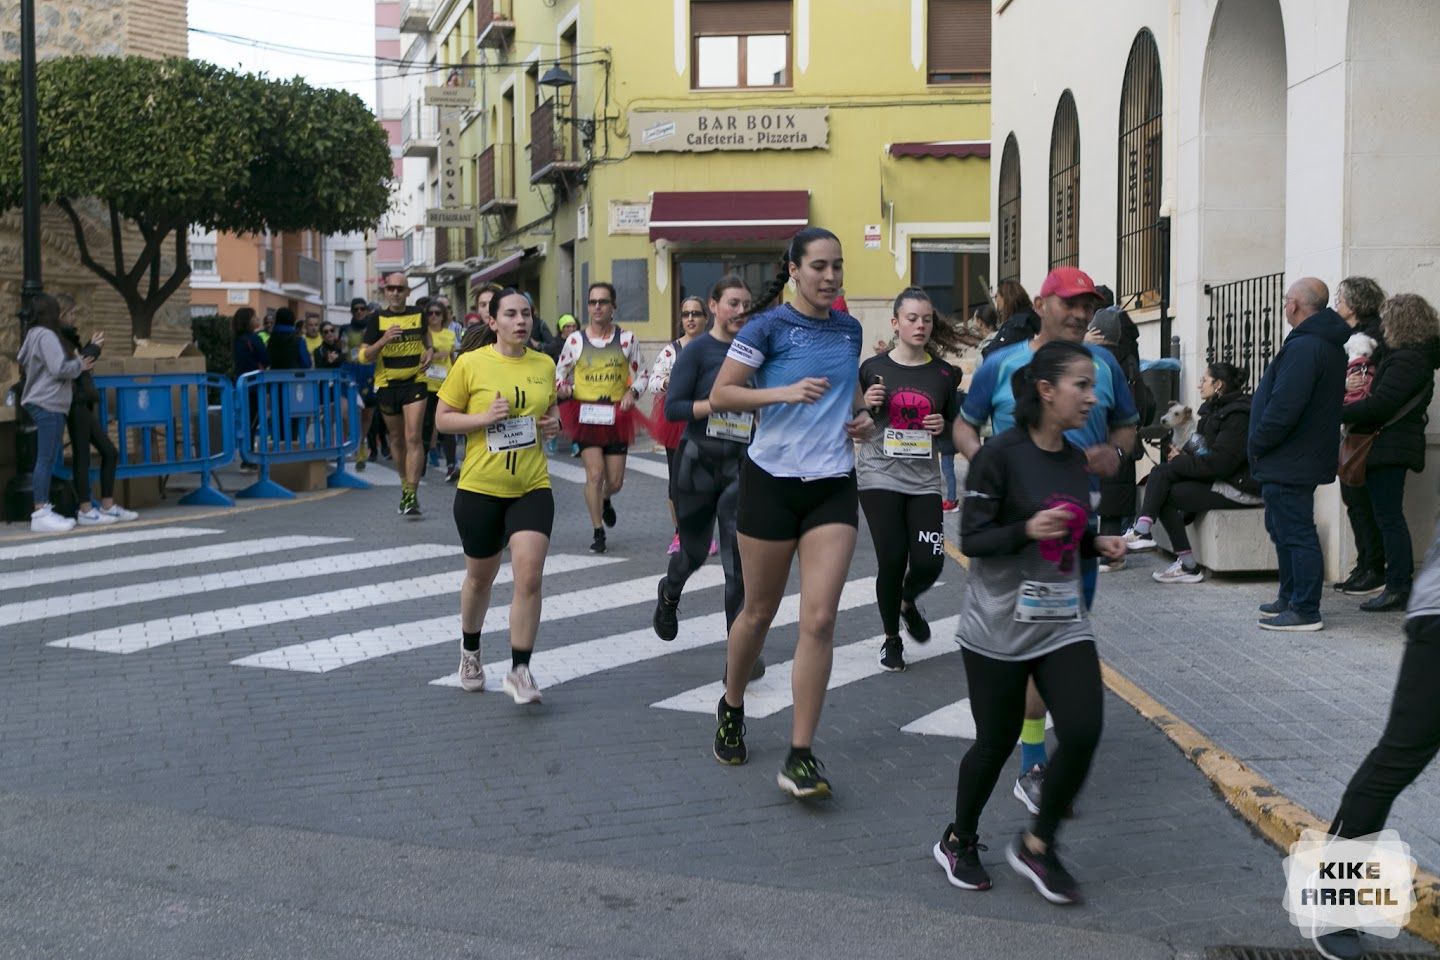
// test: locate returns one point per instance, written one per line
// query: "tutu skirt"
(597, 434)
(667, 433)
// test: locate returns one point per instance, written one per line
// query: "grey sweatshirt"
(1425, 594)
(49, 377)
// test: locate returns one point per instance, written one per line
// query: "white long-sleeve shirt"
(629, 345)
(664, 363)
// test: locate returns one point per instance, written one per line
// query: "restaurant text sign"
(748, 128)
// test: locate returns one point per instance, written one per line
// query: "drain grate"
(1290, 953)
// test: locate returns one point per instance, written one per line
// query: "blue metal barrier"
(298, 415)
(161, 425)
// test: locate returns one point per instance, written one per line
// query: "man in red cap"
(1066, 304)
(398, 343)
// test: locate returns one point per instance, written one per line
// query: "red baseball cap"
(1069, 282)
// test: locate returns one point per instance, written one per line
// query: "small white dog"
(1361, 351)
(1181, 421)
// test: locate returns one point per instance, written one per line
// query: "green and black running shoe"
(801, 778)
(730, 734)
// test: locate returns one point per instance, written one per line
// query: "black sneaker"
(892, 655)
(1340, 945)
(667, 625)
(412, 507)
(1045, 871)
(1340, 585)
(598, 544)
(915, 623)
(1364, 585)
(607, 513)
(960, 859)
(1385, 601)
(730, 734)
(801, 778)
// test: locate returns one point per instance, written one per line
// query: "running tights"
(909, 548)
(698, 513)
(1069, 680)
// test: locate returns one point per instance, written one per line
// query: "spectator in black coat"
(249, 353)
(1403, 386)
(287, 344)
(1358, 300)
(1018, 319)
(330, 355)
(1210, 473)
(1295, 445)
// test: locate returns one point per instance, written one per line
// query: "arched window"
(1065, 185)
(1009, 212)
(1137, 271)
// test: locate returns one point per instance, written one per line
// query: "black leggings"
(1170, 499)
(85, 429)
(1069, 682)
(447, 440)
(707, 493)
(909, 548)
(1410, 741)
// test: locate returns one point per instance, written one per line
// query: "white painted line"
(578, 660)
(110, 598)
(566, 471)
(378, 474)
(853, 661)
(78, 543)
(574, 473)
(641, 465)
(133, 637)
(332, 653)
(80, 572)
(953, 720)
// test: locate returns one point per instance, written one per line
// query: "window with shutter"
(1065, 185)
(1008, 214)
(740, 43)
(958, 44)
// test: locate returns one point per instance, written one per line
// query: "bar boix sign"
(746, 128)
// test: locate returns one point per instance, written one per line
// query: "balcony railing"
(495, 179)
(1246, 325)
(495, 22)
(553, 145)
(419, 249)
(415, 15)
(302, 271)
(420, 130)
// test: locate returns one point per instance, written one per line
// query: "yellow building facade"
(658, 144)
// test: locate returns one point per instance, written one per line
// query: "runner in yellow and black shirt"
(501, 395)
(397, 342)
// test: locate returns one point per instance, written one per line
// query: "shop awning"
(729, 215)
(941, 148)
(503, 267)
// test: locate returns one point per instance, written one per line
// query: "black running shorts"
(784, 508)
(487, 523)
(393, 396)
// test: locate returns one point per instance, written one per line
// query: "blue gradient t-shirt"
(783, 346)
(990, 397)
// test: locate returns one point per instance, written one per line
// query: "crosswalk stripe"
(952, 720)
(133, 637)
(571, 473)
(641, 465)
(99, 541)
(78, 572)
(566, 471)
(853, 661)
(110, 598)
(332, 653)
(577, 660)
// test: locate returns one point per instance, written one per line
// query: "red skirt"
(666, 432)
(597, 434)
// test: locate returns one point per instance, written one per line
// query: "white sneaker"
(1112, 566)
(472, 672)
(521, 685)
(46, 520)
(94, 517)
(1135, 542)
(1176, 573)
(120, 513)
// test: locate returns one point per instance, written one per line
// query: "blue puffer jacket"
(1295, 416)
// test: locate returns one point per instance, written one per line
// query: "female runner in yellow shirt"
(502, 397)
(437, 368)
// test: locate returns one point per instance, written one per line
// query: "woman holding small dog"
(1358, 301)
(1211, 472)
(1394, 411)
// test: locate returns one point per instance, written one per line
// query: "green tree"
(170, 143)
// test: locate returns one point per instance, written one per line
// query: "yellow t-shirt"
(313, 343)
(442, 341)
(528, 382)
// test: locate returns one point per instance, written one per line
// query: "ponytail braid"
(793, 254)
(770, 294)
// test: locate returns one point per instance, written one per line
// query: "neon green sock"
(1032, 743)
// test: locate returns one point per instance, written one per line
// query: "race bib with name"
(436, 372)
(1040, 602)
(906, 444)
(731, 426)
(598, 414)
(515, 433)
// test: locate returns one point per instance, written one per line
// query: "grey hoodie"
(49, 377)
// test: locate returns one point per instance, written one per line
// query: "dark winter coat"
(1217, 451)
(1295, 415)
(1407, 371)
(287, 349)
(1020, 326)
(250, 354)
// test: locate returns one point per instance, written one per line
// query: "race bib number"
(598, 414)
(731, 426)
(436, 372)
(1039, 602)
(906, 444)
(516, 433)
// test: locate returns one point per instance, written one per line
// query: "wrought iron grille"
(1065, 185)
(1246, 323)
(1138, 228)
(1009, 212)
